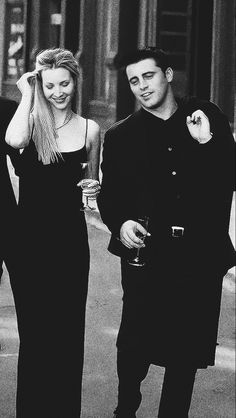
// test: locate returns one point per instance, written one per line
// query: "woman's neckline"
(75, 150)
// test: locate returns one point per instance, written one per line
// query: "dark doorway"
(50, 24)
(72, 19)
(128, 35)
(201, 47)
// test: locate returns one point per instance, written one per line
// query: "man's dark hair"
(121, 61)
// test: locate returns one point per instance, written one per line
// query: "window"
(14, 46)
(55, 22)
(174, 31)
(174, 36)
(50, 24)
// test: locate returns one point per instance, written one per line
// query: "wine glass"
(138, 260)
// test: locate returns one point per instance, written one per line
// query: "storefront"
(193, 31)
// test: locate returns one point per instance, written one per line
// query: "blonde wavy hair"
(44, 130)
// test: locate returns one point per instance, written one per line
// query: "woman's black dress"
(54, 265)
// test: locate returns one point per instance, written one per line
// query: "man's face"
(148, 82)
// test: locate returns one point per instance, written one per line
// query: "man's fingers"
(129, 234)
(124, 242)
(193, 119)
(196, 117)
(189, 120)
(130, 240)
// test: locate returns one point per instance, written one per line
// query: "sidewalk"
(214, 394)
(214, 390)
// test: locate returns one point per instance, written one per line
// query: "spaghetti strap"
(86, 131)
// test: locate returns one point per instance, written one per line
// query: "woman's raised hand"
(26, 83)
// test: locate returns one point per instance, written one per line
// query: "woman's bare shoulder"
(93, 132)
(93, 127)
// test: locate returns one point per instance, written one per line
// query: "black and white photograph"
(117, 188)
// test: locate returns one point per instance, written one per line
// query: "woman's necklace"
(67, 120)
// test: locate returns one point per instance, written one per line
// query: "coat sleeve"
(220, 150)
(111, 200)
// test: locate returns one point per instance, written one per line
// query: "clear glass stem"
(137, 254)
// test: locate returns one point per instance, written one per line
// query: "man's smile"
(146, 94)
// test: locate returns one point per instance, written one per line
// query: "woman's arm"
(93, 145)
(19, 129)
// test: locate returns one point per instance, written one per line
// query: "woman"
(58, 143)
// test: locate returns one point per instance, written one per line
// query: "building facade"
(199, 35)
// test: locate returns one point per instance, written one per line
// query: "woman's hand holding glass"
(90, 189)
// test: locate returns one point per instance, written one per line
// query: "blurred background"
(199, 35)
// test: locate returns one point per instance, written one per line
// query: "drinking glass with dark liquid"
(138, 259)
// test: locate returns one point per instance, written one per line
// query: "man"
(8, 201)
(173, 161)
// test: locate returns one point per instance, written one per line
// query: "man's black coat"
(139, 178)
(154, 167)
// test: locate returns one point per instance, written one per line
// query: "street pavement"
(214, 393)
(214, 389)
